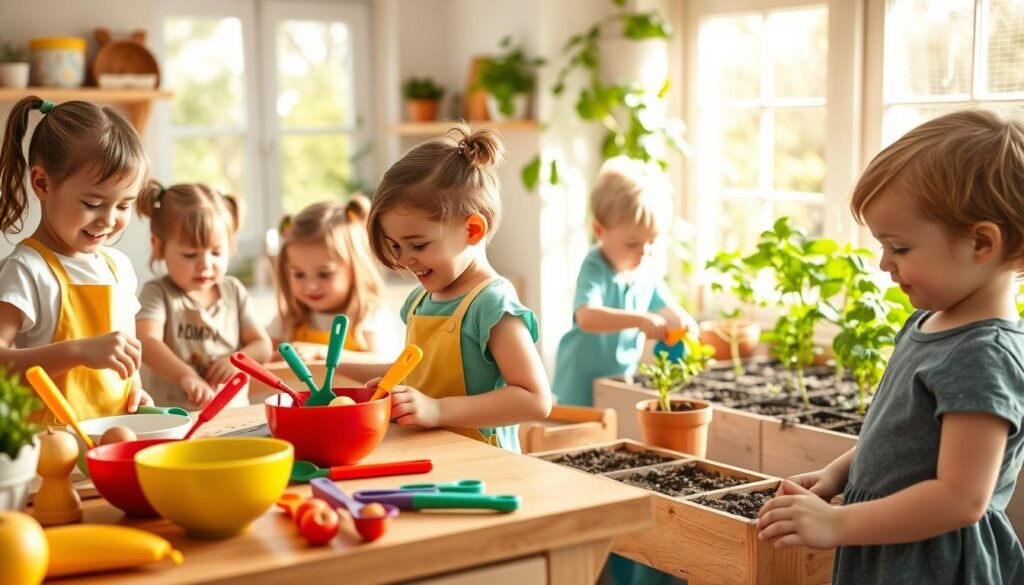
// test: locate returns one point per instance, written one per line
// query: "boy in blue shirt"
(620, 299)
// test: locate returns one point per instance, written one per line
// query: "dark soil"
(606, 460)
(681, 480)
(822, 419)
(772, 407)
(680, 406)
(742, 504)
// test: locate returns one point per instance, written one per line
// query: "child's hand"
(137, 396)
(799, 518)
(198, 391)
(219, 371)
(310, 352)
(681, 320)
(819, 483)
(115, 351)
(653, 326)
(409, 406)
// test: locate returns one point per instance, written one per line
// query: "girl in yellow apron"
(325, 268)
(433, 214)
(67, 302)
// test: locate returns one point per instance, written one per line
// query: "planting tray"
(619, 451)
(678, 475)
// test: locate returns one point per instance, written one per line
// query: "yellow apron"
(440, 373)
(86, 310)
(305, 334)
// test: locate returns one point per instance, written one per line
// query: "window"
(269, 96)
(940, 57)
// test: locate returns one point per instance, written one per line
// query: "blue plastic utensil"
(417, 500)
(150, 409)
(291, 357)
(339, 329)
(465, 486)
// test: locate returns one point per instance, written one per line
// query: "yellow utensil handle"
(411, 356)
(55, 401)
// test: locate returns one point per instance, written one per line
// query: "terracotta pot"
(716, 334)
(686, 431)
(422, 110)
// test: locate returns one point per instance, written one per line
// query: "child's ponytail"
(14, 166)
(358, 209)
(149, 200)
(235, 209)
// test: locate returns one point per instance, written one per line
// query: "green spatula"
(339, 330)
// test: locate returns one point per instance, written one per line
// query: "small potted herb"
(679, 424)
(421, 98)
(14, 67)
(19, 447)
(509, 79)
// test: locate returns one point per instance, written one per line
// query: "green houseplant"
(730, 274)
(682, 424)
(14, 66)
(19, 448)
(509, 78)
(422, 95)
(627, 101)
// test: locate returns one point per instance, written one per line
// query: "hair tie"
(285, 226)
(46, 106)
(462, 147)
(159, 193)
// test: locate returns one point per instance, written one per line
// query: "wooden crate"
(706, 546)
(749, 477)
(627, 444)
(569, 426)
(788, 449)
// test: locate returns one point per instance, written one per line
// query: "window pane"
(218, 162)
(741, 222)
(205, 68)
(314, 168)
(928, 48)
(800, 149)
(901, 119)
(798, 43)
(809, 216)
(732, 146)
(730, 63)
(314, 74)
(1004, 56)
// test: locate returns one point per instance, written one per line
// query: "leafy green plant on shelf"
(630, 115)
(422, 88)
(508, 75)
(12, 53)
(667, 375)
(17, 403)
(730, 274)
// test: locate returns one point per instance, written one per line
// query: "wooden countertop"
(566, 516)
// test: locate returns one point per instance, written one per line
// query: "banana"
(87, 548)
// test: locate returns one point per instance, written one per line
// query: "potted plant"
(676, 423)
(421, 98)
(509, 78)
(732, 336)
(19, 447)
(14, 67)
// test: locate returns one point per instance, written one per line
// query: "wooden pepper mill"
(57, 502)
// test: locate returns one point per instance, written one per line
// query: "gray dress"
(978, 367)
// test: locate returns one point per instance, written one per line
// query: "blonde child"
(925, 489)
(66, 298)
(325, 267)
(620, 299)
(193, 318)
(433, 214)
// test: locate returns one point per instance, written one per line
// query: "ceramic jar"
(57, 61)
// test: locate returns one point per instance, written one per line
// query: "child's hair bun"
(358, 208)
(482, 148)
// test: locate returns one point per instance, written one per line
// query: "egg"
(341, 401)
(374, 510)
(117, 434)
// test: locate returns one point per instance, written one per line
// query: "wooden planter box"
(567, 427)
(706, 546)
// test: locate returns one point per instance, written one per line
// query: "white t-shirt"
(27, 282)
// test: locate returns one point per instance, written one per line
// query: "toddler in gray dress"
(925, 490)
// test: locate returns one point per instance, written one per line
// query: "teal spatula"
(339, 330)
(291, 357)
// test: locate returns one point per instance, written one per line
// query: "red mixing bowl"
(331, 435)
(112, 468)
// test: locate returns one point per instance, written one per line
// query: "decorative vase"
(14, 75)
(520, 105)
(684, 431)
(16, 475)
(422, 110)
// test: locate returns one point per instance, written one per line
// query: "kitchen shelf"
(135, 102)
(438, 128)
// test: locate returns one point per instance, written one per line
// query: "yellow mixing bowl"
(214, 488)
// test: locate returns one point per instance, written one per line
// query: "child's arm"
(162, 360)
(970, 455)
(597, 319)
(526, 397)
(116, 351)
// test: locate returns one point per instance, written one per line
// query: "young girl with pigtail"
(193, 318)
(325, 268)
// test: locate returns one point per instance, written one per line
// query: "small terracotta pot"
(422, 110)
(716, 334)
(686, 431)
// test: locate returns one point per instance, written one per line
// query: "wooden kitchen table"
(562, 532)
